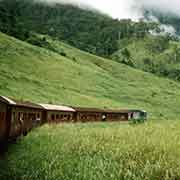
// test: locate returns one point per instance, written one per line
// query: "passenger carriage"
(58, 113)
(18, 118)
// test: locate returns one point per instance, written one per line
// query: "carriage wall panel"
(3, 123)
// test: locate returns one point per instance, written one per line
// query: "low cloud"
(168, 29)
(125, 9)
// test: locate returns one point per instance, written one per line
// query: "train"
(17, 118)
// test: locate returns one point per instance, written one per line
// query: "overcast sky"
(127, 8)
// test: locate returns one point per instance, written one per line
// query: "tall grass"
(96, 151)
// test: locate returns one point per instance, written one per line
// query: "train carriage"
(116, 115)
(58, 113)
(18, 118)
(88, 114)
(136, 114)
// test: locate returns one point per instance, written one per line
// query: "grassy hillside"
(32, 73)
(155, 54)
(96, 151)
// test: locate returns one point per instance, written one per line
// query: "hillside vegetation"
(96, 151)
(74, 77)
(85, 29)
(155, 54)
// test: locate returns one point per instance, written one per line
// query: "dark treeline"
(86, 30)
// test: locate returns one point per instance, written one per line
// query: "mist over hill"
(161, 11)
(158, 11)
(171, 20)
(124, 9)
(88, 30)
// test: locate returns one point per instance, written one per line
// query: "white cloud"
(172, 6)
(168, 29)
(126, 8)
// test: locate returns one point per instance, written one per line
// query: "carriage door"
(8, 120)
(3, 123)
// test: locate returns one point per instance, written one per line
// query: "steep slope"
(37, 74)
(155, 54)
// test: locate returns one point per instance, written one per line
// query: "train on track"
(17, 118)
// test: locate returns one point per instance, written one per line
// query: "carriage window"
(57, 116)
(3, 115)
(34, 117)
(13, 117)
(68, 117)
(52, 117)
(19, 114)
(23, 116)
(132, 115)
(38, 115)
(83, 117)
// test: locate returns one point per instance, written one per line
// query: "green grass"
(96, 151)
(81, 79)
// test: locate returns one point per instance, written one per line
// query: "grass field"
(96, 151)
(31, 73)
